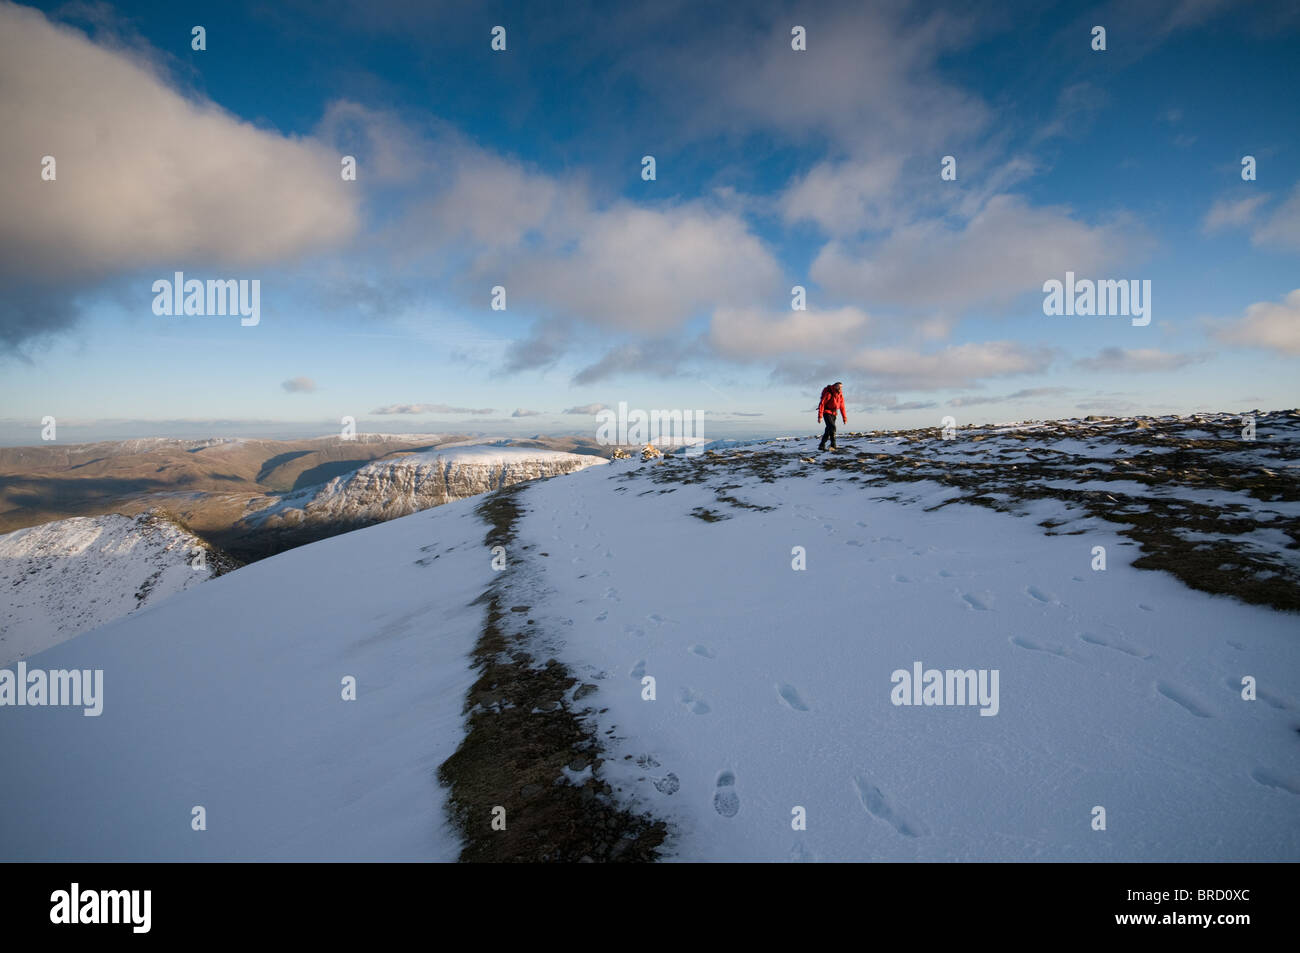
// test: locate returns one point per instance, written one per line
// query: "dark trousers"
(830, 432)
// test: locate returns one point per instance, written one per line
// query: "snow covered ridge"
(727, 628)
(1206, 497)
(744, 624)
(63, 578)
(407, 483)
(230, 696)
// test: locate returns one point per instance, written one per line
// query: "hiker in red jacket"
(832, 400)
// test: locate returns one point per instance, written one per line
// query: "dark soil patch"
(523, 731)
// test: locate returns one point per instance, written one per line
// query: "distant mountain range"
(142, 507)
(211, 485)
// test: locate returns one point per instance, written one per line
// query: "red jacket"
(831, 402)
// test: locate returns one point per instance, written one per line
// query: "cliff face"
(387, 489)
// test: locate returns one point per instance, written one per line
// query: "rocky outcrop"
(405, 484)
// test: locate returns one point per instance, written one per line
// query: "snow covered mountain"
(919, 648)
(63, 578)
(410, 482)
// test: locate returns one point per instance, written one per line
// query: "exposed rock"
(405, 484)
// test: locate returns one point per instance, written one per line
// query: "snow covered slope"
(63, 578)
(229, 697)
(400, 485)
(1118, 688)
(774, 597)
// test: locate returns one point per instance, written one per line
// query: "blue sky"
(522, 168)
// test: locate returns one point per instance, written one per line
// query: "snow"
(62, 578)
(487, 455)
(1118, 688)
(229, 697)
(399, 485)
(774, 685)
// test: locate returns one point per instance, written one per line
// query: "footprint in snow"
(693, 702)
(1022, 642)
(790, 697)
(637, 671)
(945, 574)
(701, 650)
(634, 630)
(877, 805)
(1115, 644)
(899, 577)
(603, 616)
(1271, 779)
(612, 593)
(725, 799)
(1268, 698)
(1183, 698)
(1039, 595)
(975, 602)
(801, 854)
(668, 785)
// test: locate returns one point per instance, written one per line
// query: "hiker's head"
(838, 385)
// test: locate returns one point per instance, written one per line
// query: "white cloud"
(1006, 249)
(1282, 228)
(485, 220)
(906, 369)
(1278, 229)
(751, 333)
(844, 198)
(428, 409)
(1029, 393)
(644, 270)
(956, 366)
(145, 176)
(1271, 325)
(1136, 360)
(299, 385)
(1232, 213)
(869, 79)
